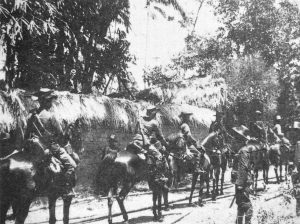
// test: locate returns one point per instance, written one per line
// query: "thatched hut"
(100, 116)
(205, 92)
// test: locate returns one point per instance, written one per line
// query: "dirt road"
(92, 210)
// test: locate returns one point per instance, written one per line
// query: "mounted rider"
(185, 119)
(193, 149)
(50, 138)
(150, 144)
(112, 148)
(244, 175)
(277, 129)
(149, 138)
(260, 131)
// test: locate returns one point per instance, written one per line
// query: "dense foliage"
(62, 43)
(256, 50)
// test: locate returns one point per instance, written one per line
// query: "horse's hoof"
(126, 222)
(167, 208)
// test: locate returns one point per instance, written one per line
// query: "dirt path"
(92, 210)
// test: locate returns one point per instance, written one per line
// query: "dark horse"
(125, 169)
(179, 164)
(218, 154)
(24, 176)
(280, 154)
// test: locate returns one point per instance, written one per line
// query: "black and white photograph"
(149, 111)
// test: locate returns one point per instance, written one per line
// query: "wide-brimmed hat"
(185, 114)
(278, 117)
(242, 131)
(45, 94)
(258, 112)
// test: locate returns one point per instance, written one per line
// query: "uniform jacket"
(151, 131)
(68, 163)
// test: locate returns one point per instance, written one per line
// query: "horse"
(279, 155)
(124, 170)
(178, 164)
(23, 177)
(218, 154)
(204, 177)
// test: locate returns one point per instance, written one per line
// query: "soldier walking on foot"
(244, 178)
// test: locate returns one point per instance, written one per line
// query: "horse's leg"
(4, 206)
(22, 210)
(121, 197)
(110, 203)
(202, 179)
(255, 179)
(66, 209)
(194, 181)
(154, 208)
(222, 181)
(267, 173)
(276, 173)
(207, 182)
(165, 193)
(224, 166)
(217, 180)
(159, 196)
(52, 203)
(213, 196)
(280, 170)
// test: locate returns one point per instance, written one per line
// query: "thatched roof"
(201, 117)
(202, 92)
(92, 111)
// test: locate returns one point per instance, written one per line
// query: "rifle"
(233, 199)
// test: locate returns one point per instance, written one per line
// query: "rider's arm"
(160, 135)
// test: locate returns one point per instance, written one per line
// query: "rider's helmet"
(277, 118)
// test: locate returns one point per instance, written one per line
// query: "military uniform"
(243, 182)
(296, 190)
(68, 167)
(148, 134)
(243, 176)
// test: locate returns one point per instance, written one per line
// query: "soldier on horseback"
(193, 149)
(112, 147)
(244, 176)
(149, 144)
(38, 135)
(258, 128)
(149, 138)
